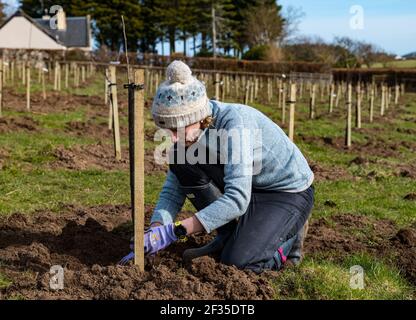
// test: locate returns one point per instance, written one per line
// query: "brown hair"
(207, 122)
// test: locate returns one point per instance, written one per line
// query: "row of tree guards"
(30, 73)
(284, 91)
(273, 89)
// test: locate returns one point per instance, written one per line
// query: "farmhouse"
(61, 33)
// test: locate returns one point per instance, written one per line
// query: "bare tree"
(292, 16)
(264, 25)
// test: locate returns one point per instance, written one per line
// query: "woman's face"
(192, 133)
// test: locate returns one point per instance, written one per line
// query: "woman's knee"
(234, 257)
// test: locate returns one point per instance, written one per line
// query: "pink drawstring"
(282, 256)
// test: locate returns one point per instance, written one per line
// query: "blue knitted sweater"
(271, 162)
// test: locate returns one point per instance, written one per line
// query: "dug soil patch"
(99, 156)
(18, 124)
(88, 243)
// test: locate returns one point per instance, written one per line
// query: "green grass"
(27, 191)
(396, 64)
(381, 199)
(320, 280)
(4, 281)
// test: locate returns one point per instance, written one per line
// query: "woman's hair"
(207, 122)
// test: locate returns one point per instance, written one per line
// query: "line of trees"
(249, 29)
(342, 52)
(238, 24)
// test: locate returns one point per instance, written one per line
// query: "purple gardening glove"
(155, 239)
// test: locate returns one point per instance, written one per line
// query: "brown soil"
(98, 156)
(92, 129)
(328, 173)
(55, 102)
(88, 242)
(21, 123)
(375, 146)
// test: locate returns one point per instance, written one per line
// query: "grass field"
(396, 64)
(374, 187)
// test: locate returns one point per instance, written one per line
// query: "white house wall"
(20, 33)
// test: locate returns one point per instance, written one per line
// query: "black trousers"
(271, 219)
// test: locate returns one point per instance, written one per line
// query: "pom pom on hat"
(178, 71)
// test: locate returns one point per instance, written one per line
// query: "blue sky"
(390, 24)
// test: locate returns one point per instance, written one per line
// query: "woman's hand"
(155, 239)
(158, 238)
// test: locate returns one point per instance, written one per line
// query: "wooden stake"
(358, 107)
(292, 104)
(28, 88)
(247, 93)
(114, 104)
(1, 87)
(55, 78)
(339, 87)
(12, 72)
(348, 125)
(396, 95)
(59, 77)
(24, 72)
(284, 103)
(66, 75)
(217, 86)
(371, 102)
(312, 102)
(43, 85)
(383, 99)
(138, 204)
(331, 97)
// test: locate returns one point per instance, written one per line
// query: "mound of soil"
(88, 242)
(328, 173)
(98, 156)
(13, 124)
(375, 146)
